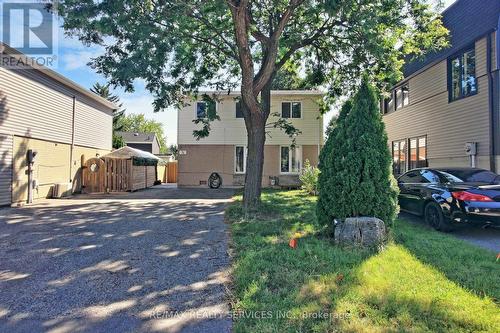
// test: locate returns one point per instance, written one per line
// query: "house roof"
(135, 137)
(12, 52)
(467, 20)
(273, 92)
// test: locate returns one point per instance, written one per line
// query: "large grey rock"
(361, 231)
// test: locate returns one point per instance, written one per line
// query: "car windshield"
(470, 176)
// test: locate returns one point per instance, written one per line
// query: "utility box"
(471, 148)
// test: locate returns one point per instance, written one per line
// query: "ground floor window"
(290, 159)
(240, 159)
(409, 154)
(399, 157)
(418, 152)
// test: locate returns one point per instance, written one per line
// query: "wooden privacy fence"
(171, 174)
(108, 175)
(115, 175)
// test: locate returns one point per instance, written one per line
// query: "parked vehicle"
(445, 196)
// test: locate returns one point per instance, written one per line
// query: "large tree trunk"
(256, 134)
(255, 162)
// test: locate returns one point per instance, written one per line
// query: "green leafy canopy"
(179, 46)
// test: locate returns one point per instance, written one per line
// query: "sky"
(72, 60)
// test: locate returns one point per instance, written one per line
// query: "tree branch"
(268, 64)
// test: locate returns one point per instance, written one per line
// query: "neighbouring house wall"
(156, 147)
(52, 165)
(447, 125)
(34, 105)
(93, 126)
(232, 130)
(36, 112)
(201, 160)
(141, 146)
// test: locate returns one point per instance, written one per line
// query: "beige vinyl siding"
(232, 130)
(5, 169)
(29, 108)
(93, 127)
(429, 83)
(34, 105)
(448, 126)
(481, 61)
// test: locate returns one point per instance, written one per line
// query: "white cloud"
(73, 60)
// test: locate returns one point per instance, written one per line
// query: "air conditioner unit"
(61, 190)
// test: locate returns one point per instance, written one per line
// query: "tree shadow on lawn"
(361, 290)
(467, 265)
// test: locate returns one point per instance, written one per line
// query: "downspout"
(72, 143)
(494, 99)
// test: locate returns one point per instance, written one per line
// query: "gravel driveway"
(154, 260)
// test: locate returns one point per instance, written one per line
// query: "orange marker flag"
(293, 243)
(498, 256)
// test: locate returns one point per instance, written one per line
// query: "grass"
(423, 281)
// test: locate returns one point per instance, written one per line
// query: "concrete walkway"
(154, 260)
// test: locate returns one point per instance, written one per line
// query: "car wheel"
(435, 218)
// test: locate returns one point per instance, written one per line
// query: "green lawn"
(423, 281)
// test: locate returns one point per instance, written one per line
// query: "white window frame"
(196, 109)
(245, 153)
(299, 159)
(403, 103)
(235, 109)
(301, 109)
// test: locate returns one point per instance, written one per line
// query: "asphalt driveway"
(154, 260)
(488, 238)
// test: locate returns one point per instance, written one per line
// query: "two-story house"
(446, 111)
(224, 150)
(142, 141)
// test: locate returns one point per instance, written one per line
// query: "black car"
(445, 196)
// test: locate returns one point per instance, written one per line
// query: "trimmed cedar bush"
(326, 180)
(355, 163)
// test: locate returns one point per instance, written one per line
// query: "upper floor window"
(291, 110)
(389, 104)
(290, 159)
(203, 108)
(462, 75)
(402, 96)
(239, 111)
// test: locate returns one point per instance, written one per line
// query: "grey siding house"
(43, 111)
(446, 111)
(142, 141)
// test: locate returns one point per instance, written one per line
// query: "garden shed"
(125, 169)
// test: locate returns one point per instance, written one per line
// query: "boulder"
(360, 231)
